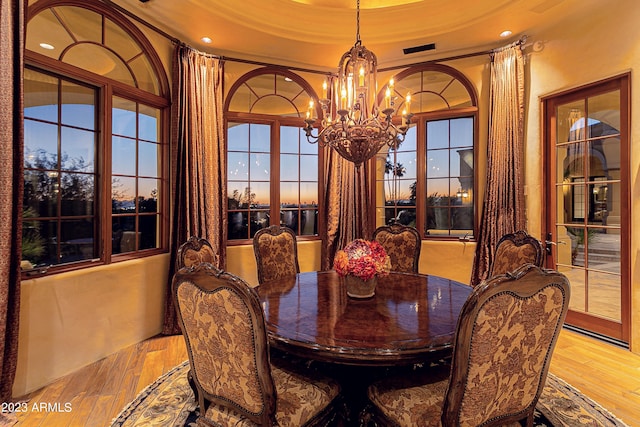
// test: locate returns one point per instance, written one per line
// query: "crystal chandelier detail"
(355, 125)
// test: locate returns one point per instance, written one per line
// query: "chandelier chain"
(358, 22)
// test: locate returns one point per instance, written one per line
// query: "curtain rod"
(521, 41)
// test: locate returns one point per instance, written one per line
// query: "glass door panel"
(587, 196)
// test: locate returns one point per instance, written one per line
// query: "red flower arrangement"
(362, 258)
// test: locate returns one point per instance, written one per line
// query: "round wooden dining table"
(411, 318)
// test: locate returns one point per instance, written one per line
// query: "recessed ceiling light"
(46, 46)
(288, 79)
(206, 40)
(505, 33)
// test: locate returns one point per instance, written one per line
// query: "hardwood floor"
(97, 393)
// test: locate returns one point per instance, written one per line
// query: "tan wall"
(70, 320)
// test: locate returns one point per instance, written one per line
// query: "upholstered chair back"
(515, 250)
(276, 253)
(193, 252)
(235, 384)
(402, 244)
(223, 325)
(506, 334)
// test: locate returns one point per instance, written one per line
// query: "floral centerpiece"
(364, 260)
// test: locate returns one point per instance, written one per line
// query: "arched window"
(96, 140)
(428, 181)
(273, 174)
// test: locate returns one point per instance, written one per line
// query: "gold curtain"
(346, 198)
(11, 182)
(198, 160)
(503, 209)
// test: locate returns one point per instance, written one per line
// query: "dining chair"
(506, 334)
(402, 243)
(276, 252)
(194, 251)
(236, 383)
(514, 250)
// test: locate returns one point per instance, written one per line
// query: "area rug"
(169, 401)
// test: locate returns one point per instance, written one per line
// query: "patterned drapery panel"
(198, 160)
(345, 205)
(503, 208)
(11, 161)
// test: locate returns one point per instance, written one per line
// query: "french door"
(587, 222)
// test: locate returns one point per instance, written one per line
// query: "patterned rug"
(169, 401)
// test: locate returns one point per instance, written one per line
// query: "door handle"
(548, 243)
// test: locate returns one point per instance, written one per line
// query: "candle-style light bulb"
(324, 89)
(361, 81)
(343, 98)
(310, 110)
(408, 102)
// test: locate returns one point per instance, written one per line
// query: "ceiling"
(313, 34)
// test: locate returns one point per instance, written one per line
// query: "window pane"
(290, 139)
(41, 193)
(437, 163)
(260, 138)
(148, 159)
(604, 115)
(438, 192)
(604, 203)
(409, 143)
(309, 194)
(309, 224)
(406, 217)
(77, 194)
(462, 162)
(40, 96)
(289, 167)
(78, 150)
(289, 218)
(289, 194)
(238, 165)
(437, 220)
(36, 240)
(148, 234)
(123, 194)
(77, 241)
(78, 106)
(405, 166)
(438, 134)
(40, 145)
(239, 195)
(260, 168)
(149, 119)
(308, 168)
(238, 137)
(148, 194)
(462, 132)
(121, 225)
(462, 219)
(259, 220)
(123, 154)
(123, 117)
(238, 225)
(260, 194)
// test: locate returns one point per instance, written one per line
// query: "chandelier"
(355, 125)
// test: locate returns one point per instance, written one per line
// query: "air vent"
(416, 49)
